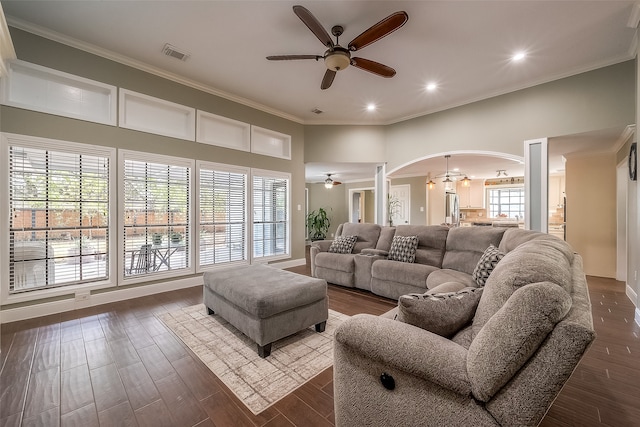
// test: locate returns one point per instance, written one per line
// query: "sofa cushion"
(343, 244)
(513, 335)
(465, 246)
(385, 239)
(486, 264)
(445, 275)
(534, 261)
(333, 261)
(401, 272)
(448, 287)
(431, 242)
(403, 248)
(368, 234)
(441, 313)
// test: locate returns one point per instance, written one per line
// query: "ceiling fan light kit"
(329, 183)
(466, 181)
(337, 60)
(336, 57)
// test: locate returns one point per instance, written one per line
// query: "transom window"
(506, 202)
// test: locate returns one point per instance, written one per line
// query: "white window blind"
(156, 217)
(270, 215)
(59, 218)
(223, 216)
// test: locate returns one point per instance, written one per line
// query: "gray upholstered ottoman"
(266, 303)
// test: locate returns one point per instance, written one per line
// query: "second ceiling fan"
(338, 58)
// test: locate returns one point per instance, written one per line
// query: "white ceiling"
(464, 46)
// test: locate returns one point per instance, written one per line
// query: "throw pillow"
(403, 248)
(443, 313)
(486, 264)
(343, 244)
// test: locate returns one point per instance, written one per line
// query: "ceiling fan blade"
(336, 183)
(373, 67)
(383, 28)
(327, 79)
(292, 57)
(314, 25)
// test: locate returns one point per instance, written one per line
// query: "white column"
(536, 186)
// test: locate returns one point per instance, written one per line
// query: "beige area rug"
(258, 382)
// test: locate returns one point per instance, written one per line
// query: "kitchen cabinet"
(556, 191)
(473, 196)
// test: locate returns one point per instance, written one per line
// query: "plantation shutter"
(156, 217)
(59, 222)
(223, 217)
(271, 216)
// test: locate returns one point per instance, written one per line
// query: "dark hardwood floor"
(117, 365)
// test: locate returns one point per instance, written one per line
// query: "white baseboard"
(289, 264)
(55, 307)
(633, 296)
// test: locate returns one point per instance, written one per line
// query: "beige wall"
(600, 99)
(591, 208)
(333, 200)
(418, 198)
(54, 55)
(359, 144)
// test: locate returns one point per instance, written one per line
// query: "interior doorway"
(362, 205)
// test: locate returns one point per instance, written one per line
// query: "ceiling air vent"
(174, 52)
(317, 111)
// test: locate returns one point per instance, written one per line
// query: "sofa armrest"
(407, 348)
(317, 247)
(321, 245)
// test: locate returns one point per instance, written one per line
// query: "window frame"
(502, 188)
(200, 165)
(276, 175)
(123, 156)
(8, 139)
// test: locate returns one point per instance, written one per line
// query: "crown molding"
(626, 134)
(7, 52)
(125, 60)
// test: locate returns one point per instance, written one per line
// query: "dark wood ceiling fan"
(338, 58)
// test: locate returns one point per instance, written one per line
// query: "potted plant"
(393, 207)
(157, 239)
(176, 238)
(318, 223)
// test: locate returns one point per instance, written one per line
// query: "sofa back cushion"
(385, 239)
(513, 335)
(368, 234)
(465, 246)
(514, 237)
(538, 260)
(431, 242)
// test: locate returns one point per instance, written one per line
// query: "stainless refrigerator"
(452, 209)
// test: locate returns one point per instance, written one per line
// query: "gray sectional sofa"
(444, 255)
(527, 330)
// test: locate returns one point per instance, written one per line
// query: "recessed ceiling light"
(432, 86)
(518, 56)
(371, 107)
